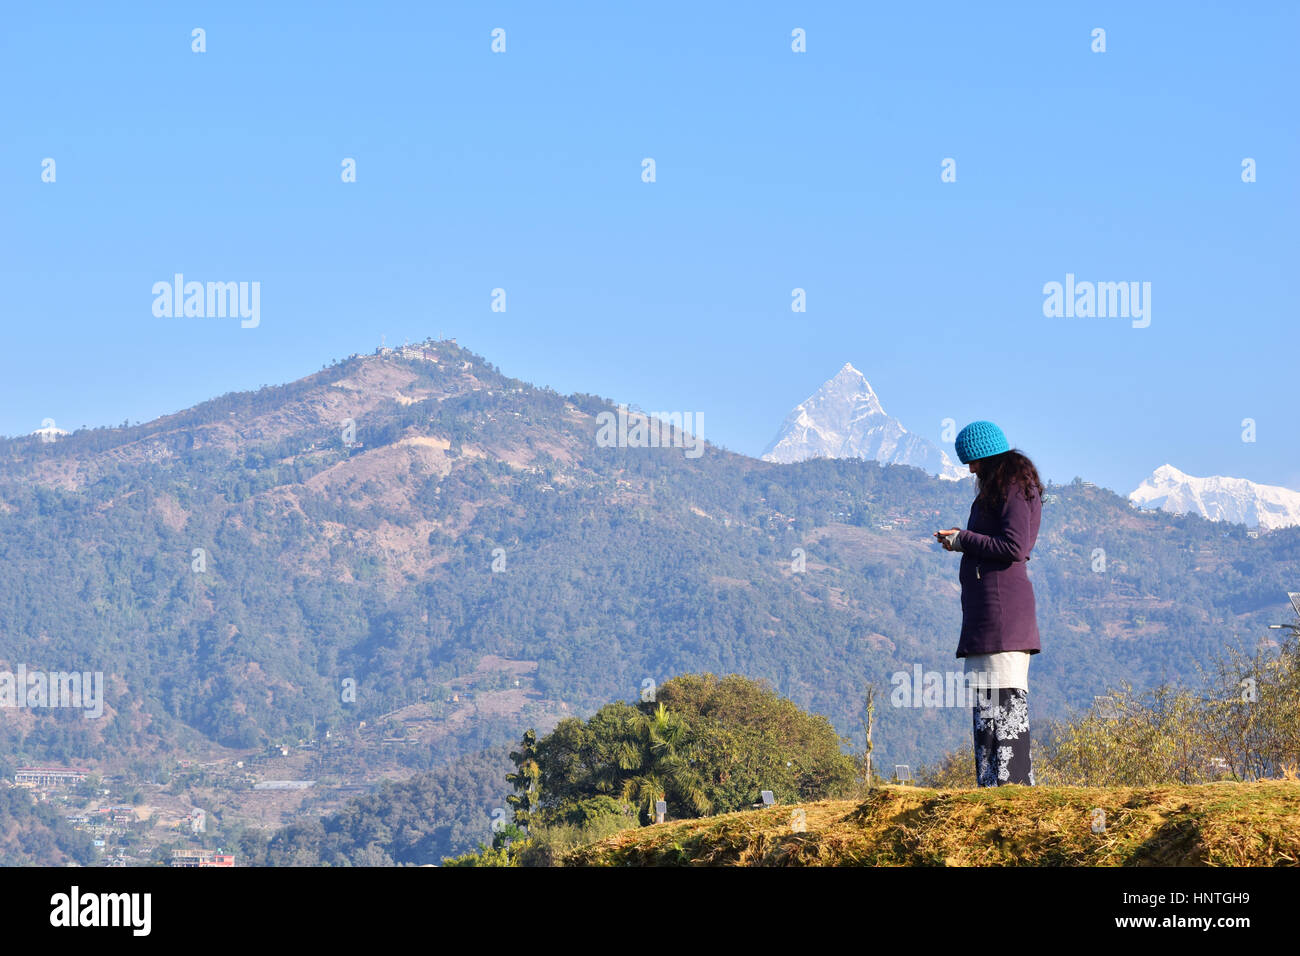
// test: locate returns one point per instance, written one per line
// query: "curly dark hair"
(997, 473)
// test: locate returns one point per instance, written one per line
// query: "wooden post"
(871, 709)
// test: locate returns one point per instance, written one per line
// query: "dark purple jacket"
(997, 598)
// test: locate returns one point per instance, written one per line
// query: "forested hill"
(34, 834)
(232, 566)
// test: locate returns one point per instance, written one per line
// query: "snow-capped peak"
(845, 419)
(848, 384)
(1219, 498)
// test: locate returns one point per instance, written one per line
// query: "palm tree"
(660, 755)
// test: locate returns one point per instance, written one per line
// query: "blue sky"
(775, 170)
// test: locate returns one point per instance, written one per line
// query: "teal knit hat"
(980, 440)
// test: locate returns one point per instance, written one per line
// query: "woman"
(999, 630)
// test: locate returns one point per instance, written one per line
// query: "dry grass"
(1218, 824)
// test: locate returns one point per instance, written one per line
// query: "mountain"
(409, 557)
(1219, 499)
(844, 419)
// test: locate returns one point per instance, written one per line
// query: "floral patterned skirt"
(1001, 722)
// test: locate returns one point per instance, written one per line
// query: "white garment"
(1003, 669)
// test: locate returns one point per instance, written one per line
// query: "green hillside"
(35, 834)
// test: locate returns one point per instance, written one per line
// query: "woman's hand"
(943, 537)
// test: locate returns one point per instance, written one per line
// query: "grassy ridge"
(1217, 824)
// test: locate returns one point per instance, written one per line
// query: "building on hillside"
(422, 352)
(117, 815)
(49, 776)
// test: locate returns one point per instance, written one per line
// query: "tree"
(1245, 725)
(708, 745)
(1254, 714)
(661, 758)
(526, 779)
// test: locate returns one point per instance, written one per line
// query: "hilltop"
(1216, 824)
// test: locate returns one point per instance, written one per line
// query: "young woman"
(999, 630)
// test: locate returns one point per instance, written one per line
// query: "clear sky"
(775, 170)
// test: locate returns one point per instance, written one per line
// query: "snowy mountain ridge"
(1218, 498)
(845, 419)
